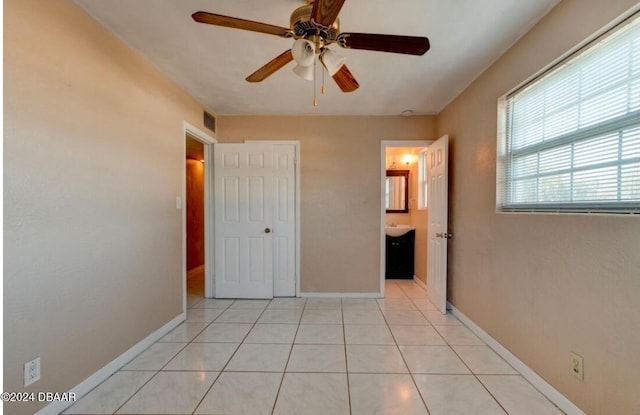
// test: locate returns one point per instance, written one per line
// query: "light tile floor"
(317, 356)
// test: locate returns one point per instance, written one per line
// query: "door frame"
(207, 140)
(296, 144)
(384, 144)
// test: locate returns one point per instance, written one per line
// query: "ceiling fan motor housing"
(303, 27)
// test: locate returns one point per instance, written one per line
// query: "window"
(571, 137)
(422, 179)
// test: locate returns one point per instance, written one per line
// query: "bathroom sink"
(397, 230)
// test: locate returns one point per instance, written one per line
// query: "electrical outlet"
(32, 372)
(577, 366)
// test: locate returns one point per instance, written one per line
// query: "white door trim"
(208, 142)
(296, 144)
(384, 144)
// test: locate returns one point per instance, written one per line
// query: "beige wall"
(340, 179)
(93, 159)
(544, 285)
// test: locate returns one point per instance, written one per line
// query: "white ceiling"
(211, 63)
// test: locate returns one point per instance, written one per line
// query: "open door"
(243, 217)
(438, 185)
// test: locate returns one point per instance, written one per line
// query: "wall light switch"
(178, 202)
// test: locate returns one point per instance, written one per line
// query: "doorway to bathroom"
(404, 214)
(416, 209)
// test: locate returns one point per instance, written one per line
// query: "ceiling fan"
(314, 27)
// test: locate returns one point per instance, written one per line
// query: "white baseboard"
(340, 295)
(112, 367)
(546, 389)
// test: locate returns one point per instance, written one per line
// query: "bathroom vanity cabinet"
(400, 256)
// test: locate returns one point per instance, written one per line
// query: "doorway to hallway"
(194, 207)
(196, 203)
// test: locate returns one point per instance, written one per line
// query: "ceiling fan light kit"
(304, 72)
(314, 27)
(331, 61)
(303, 51)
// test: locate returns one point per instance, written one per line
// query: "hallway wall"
(195, 213)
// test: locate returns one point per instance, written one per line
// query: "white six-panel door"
(437, 178)
(243, 176)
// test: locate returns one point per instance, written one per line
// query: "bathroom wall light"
(407, 159)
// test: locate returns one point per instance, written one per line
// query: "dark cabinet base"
(400, 256)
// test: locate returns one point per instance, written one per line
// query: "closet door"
(244, 189)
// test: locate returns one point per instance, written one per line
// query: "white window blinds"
(573, 135)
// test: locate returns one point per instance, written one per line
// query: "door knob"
(267, 230)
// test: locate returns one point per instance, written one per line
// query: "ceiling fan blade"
(325, 12)
(272, 66)
(220, 20)
(345, 79)
(410, 45)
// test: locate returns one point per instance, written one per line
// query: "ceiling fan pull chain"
(322, 90)
(315, 101)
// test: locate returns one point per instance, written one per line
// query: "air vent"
(210, 121)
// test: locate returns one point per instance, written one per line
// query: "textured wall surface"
(543, 285)
(93, 161)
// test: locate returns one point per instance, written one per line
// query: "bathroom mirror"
(396, 188)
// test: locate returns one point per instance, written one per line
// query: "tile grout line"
(404, 360)
(346, 363)
(192, 341)
(154, 375)
(159, 370)
(232, 355)
(478, 379)
(284, 371)
(402, 288)
(471, 372)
